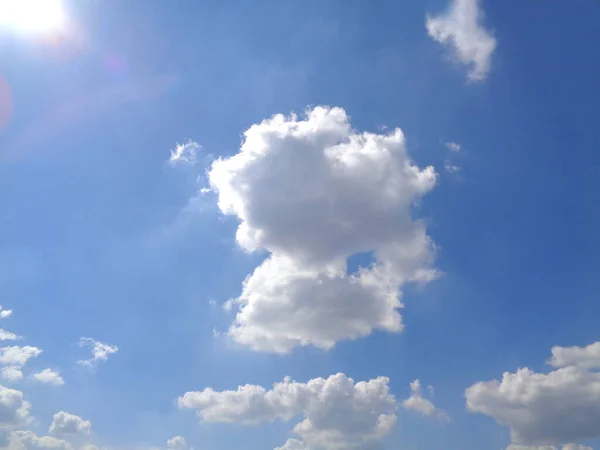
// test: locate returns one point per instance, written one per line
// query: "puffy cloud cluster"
(65, 423)
(557, 408)
(99, 350)
(337, 412)
(312, 193)
(14, 410)
(18, 356)
(28, 440)
(11, 373)
(177, 443)
(13, 359)
(460, 28)
(4, 334)
(416, 402)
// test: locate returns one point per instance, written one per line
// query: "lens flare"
(31, 15)
(6, 104)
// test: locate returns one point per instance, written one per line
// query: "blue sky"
(137, 141)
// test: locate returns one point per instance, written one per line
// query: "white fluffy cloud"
(460, 27)
(418, 403)
(65, 423)
(557, 408)
(49, 376)
(586, 357)
(18, 356)
(186, 153)
(4, 313)
(14, 411)
(4, 334)
(7, 335)
(13, 358)
(100, 352)
(28, 440)
(313, 192)
(177, 443)
(337, 413)
(11, 373)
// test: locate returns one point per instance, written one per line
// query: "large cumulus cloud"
(311, 193)
(336, 412)
(545, 409)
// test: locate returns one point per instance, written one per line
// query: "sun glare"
(31, 15)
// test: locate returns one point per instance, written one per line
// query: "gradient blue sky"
(102, 237)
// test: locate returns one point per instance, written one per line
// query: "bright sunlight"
(31, 15)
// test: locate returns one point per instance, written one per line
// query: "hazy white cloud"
(293, 444)
(100, 352)
(4, 334)
(18, 356)
(548, 447)
(313, 192)
(177, 443)
(14, 411)
(28, 440)
(453, 146)
(185, 153)
(556, 408)
(49, 376)
(89, 447)
(65, 423)
(336, 412)
(418, 403)
(460, 28)
(584, 357)
(451, 168)
(4, 313)
(7, 335)
(11, 373)
(528, 447)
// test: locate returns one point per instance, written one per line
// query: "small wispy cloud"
(460, 28)
(4, 313)
(186, 153)
(453, 146)
(451, 168)
(418, 403)
(100, 352)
